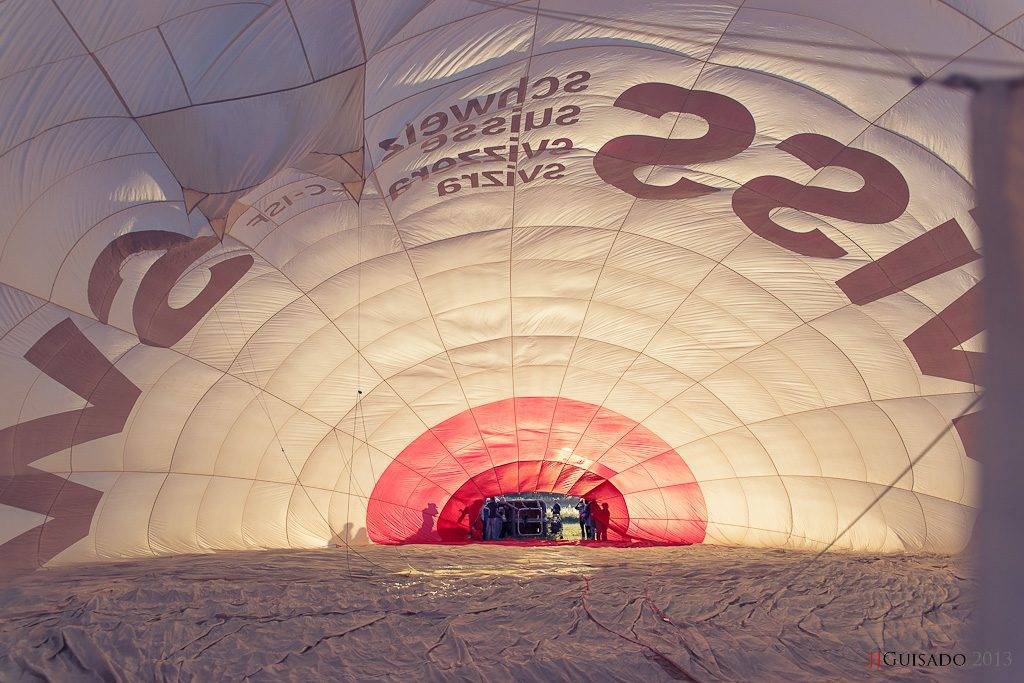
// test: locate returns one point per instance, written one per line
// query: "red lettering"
(68, 357)
(398, 187)
(390, 146)
(730, 131)
(937, 251)
(883, 198)
(969, 428)
(934, 343)
(533, 174)
(552, 83)
(473, 108)
(156, 323)
(105, 276)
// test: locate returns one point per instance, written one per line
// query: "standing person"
(602, 516)
(485, 517)
(509, 526)
(473, 514)
(582, 508)
(426, 533)
(592, 510)
(504, 524)
(495, 524)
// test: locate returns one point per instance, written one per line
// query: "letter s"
(156, 322)
(883, 198)
(730, 131)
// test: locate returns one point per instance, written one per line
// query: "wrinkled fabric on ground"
(484, 613)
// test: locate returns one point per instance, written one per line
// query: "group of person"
(496, 520)
(594, 519)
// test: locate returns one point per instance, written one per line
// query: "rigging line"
(358, 413)
(910, 466)
(359, 384)
(273, 426)
(357, 410)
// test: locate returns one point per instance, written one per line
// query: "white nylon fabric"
(261, 124)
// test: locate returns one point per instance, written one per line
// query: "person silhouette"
(485, 519)
(426, 529)
(582, 507)
(471, 513)
(602, 516)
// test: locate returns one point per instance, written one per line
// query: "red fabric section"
(433, 490)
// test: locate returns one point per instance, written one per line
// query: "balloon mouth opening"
(459, 521)
(539, 527)
(459, 524)
(433, 491)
